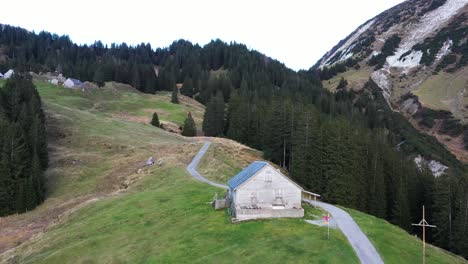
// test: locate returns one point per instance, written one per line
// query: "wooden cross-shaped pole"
(424, 223)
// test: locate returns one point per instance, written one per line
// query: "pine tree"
(213, 120)
(443, 212)
(461, 222)
(342, 84)
(376, 197)
(400, 210)
(189, 129)
(187, 88)
(136, 79)
(238, 117)
(99, 77)
(23, 154)
(174, 96)
(155, 120)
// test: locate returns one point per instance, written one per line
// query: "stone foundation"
(249, 214)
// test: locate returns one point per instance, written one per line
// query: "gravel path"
(192, 167)
(358, 240)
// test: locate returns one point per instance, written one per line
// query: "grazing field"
(447, 92)
(395, 245)
(166, 219)
(123, 102)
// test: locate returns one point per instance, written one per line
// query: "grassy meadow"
(395, 245)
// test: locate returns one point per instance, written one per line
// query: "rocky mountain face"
(417, 53)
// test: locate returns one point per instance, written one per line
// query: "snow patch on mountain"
(444, 50)
(437, 168)
(345, 48)
(407, 62)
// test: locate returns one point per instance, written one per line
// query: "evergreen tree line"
(23, 146)
(141, 66)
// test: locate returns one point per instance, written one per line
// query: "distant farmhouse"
(261, 191)
(72, 83)
(8, 74)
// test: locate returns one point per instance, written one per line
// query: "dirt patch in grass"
(171, 127)
(160, 112)
(19, 228)
(132, 118)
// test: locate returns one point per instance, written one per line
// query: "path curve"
(358, 240)
(192, 167)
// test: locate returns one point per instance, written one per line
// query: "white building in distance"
(8, 74)
(72, 83)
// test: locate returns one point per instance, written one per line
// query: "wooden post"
(424, 223)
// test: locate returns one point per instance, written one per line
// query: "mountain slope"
(417, 53)
(101, 210)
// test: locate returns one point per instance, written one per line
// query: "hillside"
(99, 203)
(93, 152)
(416, 52)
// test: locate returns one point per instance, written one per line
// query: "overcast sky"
(296, 33)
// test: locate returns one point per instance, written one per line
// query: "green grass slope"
(92, 155)
(395, 245)
(121, 101)
(166, 219)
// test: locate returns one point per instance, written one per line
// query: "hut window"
(268, 178)
(278, 197)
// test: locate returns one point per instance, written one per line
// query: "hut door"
(253, 198)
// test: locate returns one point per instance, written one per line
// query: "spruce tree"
(342, 84)
(190, 129)
(237, 117)
(213, 120)
(155, 120)
(187, 88)
(23, 154)
(99, 77)
(135, 79)
(174, 96)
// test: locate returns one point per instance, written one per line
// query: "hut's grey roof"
(246, 173)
